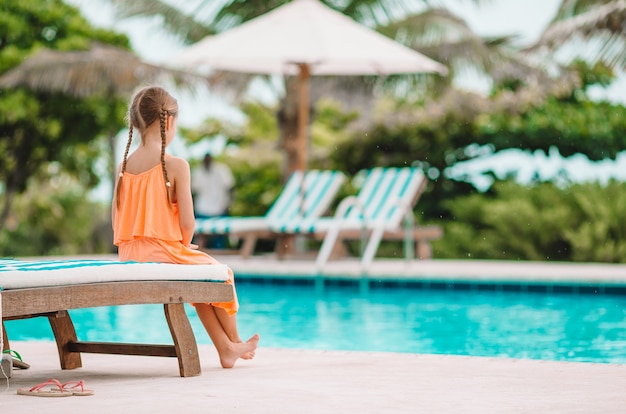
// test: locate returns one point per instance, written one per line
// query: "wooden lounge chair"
(305, 196)
(382, 210)
(51, 288)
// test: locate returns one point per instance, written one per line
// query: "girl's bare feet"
(250, 355)
(236, 350)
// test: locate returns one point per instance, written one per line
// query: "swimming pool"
(500, 323)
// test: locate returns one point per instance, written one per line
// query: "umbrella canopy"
(305, 38)
(306, 32)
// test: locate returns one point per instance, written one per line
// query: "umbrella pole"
(303, 115)
(289, 242)
(303, 121)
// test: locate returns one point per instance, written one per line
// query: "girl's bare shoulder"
(177, 164)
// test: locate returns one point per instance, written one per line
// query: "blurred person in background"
(213, 186)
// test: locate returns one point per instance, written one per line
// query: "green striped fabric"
(381, 201)
(300, 199)
(385, 199)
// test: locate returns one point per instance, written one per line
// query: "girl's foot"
(249, 355)
(244, 350)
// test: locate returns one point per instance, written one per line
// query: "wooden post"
(286, 243)
(303, 116)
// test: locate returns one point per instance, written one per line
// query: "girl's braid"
(162, 120)
(119, 179)
(130, 140)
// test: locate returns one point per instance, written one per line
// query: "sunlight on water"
(502, 324)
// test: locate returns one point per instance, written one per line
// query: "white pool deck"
(301, 381)
(460, 271)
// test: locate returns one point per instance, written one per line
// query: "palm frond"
(570, 8)
(232, 86)
(470, 104)
(175, 20)
(436, 23)
(102, 70)
(236, 12)
(370, 13)
(600, 31)
(447, 38)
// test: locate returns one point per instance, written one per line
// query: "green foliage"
(257, 188)
(260, 128)
(39, 130)
(584, 222)
(600, 235)
(431, 144)
(571, 122)
(55, 217)
(598, 74)
(28, 25)
(592, 128)
(251, 154)
(439, 135)
(329, 128)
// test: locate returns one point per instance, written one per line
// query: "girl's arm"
(181, 185)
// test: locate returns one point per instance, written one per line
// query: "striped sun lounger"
(382, 210)
(52, 287)
(300, 200)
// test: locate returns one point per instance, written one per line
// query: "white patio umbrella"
(305, 38)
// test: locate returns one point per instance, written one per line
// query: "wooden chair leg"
(5, 338)
(64, 334)
(285, 245)
(184, 340)
(247, 246)
(339, 250)
(423, 250)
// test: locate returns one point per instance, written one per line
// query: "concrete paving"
(464, 271)
(299, 381)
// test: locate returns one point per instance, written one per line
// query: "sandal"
(76, 388)
(55, 389)
(18, 362)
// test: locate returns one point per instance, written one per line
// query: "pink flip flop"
(76, 388)
(50, 388)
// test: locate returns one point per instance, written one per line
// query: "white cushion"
(17, 274)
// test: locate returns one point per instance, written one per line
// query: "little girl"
(152, 213)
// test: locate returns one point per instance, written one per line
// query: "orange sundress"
(147, 227)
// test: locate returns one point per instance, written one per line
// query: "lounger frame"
(53, 302)
(416, 237)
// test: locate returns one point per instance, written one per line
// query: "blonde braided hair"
(148, 104)
(162, 120)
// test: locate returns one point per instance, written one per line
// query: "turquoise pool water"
(537, 325)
